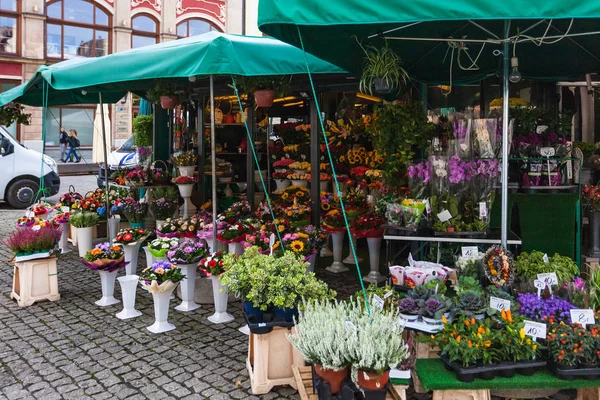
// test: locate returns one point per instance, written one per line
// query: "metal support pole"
(505, 98)
(201, 149)
(251, 118)
(213, 158)
(107, 189)
(315, 161)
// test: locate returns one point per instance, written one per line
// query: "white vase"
(374, 251)
(188, 285)
(128, 288)
(338, 241)
(149, 257)
(64, 237)
(326, 251)
(186, 190)
(161, 312)
(300, 182)
(281, 184)
(311, 263)
(113, 227)
(350, 259)
(324, 185)
(132, 252)
(187, 171)
(236, 248)
(107, 279)
(84, 239)
(220, 300)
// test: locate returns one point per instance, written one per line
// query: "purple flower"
(188, 250)
(171, 253)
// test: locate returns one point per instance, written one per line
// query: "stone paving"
(73, 349)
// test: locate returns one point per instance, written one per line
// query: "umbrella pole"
(505, 99)
(106, 188)
(213, 160)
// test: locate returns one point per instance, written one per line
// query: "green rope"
(335, 180)
(262, 181)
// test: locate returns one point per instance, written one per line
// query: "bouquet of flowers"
(368, 225)
(333, 221)
(299, 165)
(293, 193)
(159, 175)
(115, 198)
(419, 176)
(317, 236)
(298, 177)
(358, 172)
(328, 201)
(260, 239)
(412, 210)
(160, 246)
(23, 222)
(134, 210)
(136, 176)
(184, 180)
(233, 233)
(188, 227)
(498, 266)
(61, 218)
(184, 159)
(159, 273)
(591, 196)
(105, 257)
(165, 203)
(283, 163)
(187, 252)
(236, 212)
(485, 136)
(68, 199)
(355, 202)
(168, 229)
(90, 204)
(280, 225)
(281, 175)
(297, 214)
(40, 208)
(213, 264)
(299, 243)
(439, 178)
(130, 235)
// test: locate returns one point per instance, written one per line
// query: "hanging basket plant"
(13, 112)
(264, 88)
(382, 70)
(164, 94)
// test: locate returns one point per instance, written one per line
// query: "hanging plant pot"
(382, 85)
(264, 98)
(169, 102)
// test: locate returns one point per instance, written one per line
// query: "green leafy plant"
(528, 265)
(436, 286)
(468, 283)
(594, 289)
(470, 303)
(14, 113)
(250, 84)
(389, 302)
(586, 148)
(142, 129)
(161, 88)
(419, 293)
(381, 64)
(84, 219)
(470, 266)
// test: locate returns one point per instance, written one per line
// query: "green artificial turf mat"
(434, 376)
(400, 381)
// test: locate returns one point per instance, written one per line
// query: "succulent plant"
(434, 307)
(419, 293)
(470, 302)
(408, 306)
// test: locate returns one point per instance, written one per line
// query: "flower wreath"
(499, 267)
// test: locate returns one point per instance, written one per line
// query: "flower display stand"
(588, 394)
(85, 239)
(35, 280)
(107, 279)
(338, 241)
(73, 234)
(128, 288)
(161, 294)
(422, 350)
(220, 298)
(188, 285)
(64, 237)
(326, 251)
(374, 275)
(132, 252)
(185, 191)
(270, 360)
(350, 259)
(149, 257)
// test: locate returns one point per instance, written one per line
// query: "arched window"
(145, 31)
(9, 20)
(193, 27)
(76, 28)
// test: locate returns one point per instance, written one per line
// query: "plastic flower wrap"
(233, 233)
(130, 235)
(439, 177)
(187, 252)
(412, 210)
(169, 228)
(461, 130)
(483, 182)
(105, 257)
(213, 264)
(160, 246)
(207, 229)
(394, 214)
(368, 225)
(419, 176)
(40, 208)
(485, 136)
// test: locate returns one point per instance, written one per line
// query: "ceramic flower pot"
(186, 190)
(132, 252)
(264, 98)
(128, 289)
(169, 102)
(107, 279)
(382, 85)
(64, 237)
(187, 170)
(188, 285)
(300, 182)
(334, 378)
(371, 381)
(326, 251)
(338, 240)
(350, 259)
(84, 240)
(220, 296)
(374, 251)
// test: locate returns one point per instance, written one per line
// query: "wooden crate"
(35, 280)
(423, 350)
(304, 383)
(481, 394)
(588, 394)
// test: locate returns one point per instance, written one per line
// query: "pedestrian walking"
(74, 144)
(63, 138)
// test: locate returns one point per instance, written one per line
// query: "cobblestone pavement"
(73, 349)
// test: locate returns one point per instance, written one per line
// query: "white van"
(124, 157)
(20, 170)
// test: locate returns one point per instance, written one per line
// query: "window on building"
(79, 118)
(76, 28)
(145, 31)
(193, 27)
(4, 86)
(9, 19)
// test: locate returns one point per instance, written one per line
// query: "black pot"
(382, 85)
(526, 371)
(506, 373)
(487, 375)
(467, 378)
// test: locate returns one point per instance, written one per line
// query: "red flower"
(127, 237)
(212, 264)
(140, 231)
(118, 238)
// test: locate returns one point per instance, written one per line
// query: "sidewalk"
(86, 166)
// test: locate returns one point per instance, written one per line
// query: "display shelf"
(223, 124)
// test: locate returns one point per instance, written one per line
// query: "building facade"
(38, 32)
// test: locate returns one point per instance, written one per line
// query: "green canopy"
(439, 41)
(213, 53)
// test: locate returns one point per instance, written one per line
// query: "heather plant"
(36, 239)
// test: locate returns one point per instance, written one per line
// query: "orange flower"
(95, 251)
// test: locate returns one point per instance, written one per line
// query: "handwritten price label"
(549, 278)
(583, 316)
(499, 304)
(377, 302)
(184, 173)
(469, 251)
(535, 329)
(539, 284)
(388, 294)
(547, 151)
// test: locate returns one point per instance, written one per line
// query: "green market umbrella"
(448, 42)
(145, 107)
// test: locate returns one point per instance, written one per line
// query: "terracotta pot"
(368, 380)
(264, 98)
(450, 229)
(334, 378)
(169, 102)
(229, 119)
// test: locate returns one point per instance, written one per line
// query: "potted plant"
(168, 228)
(402, 371)
(164, 94)
(382, 70)
(142, 130)
(136, 212)
(186, 255)
(264, 88)
(84, 222)
(213, 267)
(432, 309)
(561, 344)
(14, 113)
(185, 161)
(234, 235)
(136, 176)
(164, 204)
(107, 259)
(32, 242)
(185, 184)
(161, 279)
(471, 304)
(158, 249)
(409, 309)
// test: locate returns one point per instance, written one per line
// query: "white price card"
(539, 284)
(65, 209)
(499, 304)
(427, 207)
(545, 258)
(469, 251)
(350, 326)
(377, 302)
(483, 211)
(303, 157)
(271, 242)
(536, 330)
(388, 294)
(547, 151)
(183, 173)
(548, 278)
(583, 316)
(444, 216)
(287, 155)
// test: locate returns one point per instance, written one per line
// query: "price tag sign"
(584, 317)
(262, 324)
(539, 285)
(535, 329)
(444, 216)
(303, 157)
(483, 211)
(287, 155)
(184, 173)
(541, 129)
(469, 251)
(377, 302)
(427, 207)
(350, 326)
(545, 258)
(547, 151)
(388, 294)
(549, 278)
(322, 158)
(65, 209)
(271, 242)
(499, 304)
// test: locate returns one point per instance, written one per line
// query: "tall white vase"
(84, 239)
(220, 298)
(374, 251)
(186, 192)
(311, 263)
(188, 285)
(132, 251)
(128, 288)
(107, 279)
(161, 312)
(326, 251)
(338, 241)
(113, 227)
(350, 259)
(149, 257)
(64, 237)
(236, 248)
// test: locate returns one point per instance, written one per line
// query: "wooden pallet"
(304, 382)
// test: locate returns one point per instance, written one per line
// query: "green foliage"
(389, 302)
(14, 112)
(434, 284)
(586, 148)
(470, 303)
(84, 219)
(467, 283)
(594, 283)
(527, 119)
(528, 265)
(384, 64)
(142, 129)
(250, 84)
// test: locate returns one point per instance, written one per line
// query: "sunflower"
(325, 206)
(302, 235)
(299, 193)
(342, 159)
(284, 196)
(281, 228)
(297, 246)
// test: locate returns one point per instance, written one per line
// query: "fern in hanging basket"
(382, 70)
(14, 112)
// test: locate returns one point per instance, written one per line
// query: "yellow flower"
(302, 235)
(342, 159)
(522, 333)
(297, 246)
(281, 228)
(289, 213)
(206, 205)
(325, 206)
(285, 196)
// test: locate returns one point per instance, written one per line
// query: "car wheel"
(22, 193)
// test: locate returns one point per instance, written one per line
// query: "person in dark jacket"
(63, 138)
(74, 144)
